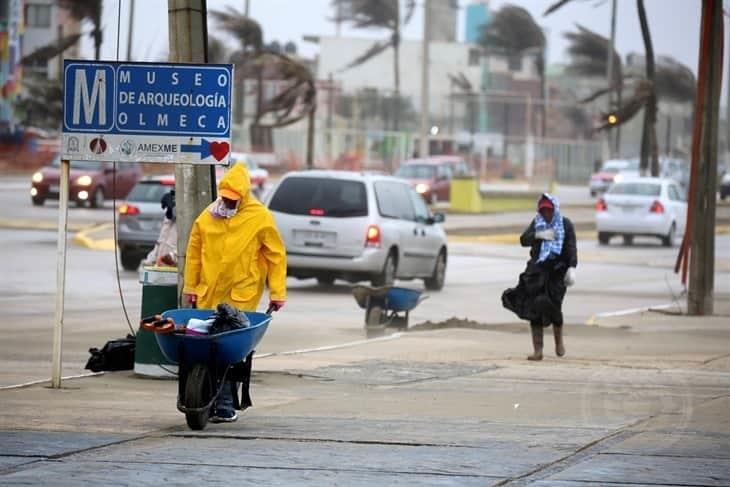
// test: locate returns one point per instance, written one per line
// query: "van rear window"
(328, 197)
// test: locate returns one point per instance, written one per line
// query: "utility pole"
(610, 79)
(700, 298)
(130, 30)
(423, 150)
(193, 187)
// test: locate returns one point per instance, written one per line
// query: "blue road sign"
(145, 111)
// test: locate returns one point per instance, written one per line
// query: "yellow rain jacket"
(229, 260)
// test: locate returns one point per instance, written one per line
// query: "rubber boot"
(559, 346)
(536, 342)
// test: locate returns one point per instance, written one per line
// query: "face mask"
(220, 210)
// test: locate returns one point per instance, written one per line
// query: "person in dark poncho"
(538, 297)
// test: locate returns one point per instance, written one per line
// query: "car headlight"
(37, 177)
(84, 180)
(422, 188)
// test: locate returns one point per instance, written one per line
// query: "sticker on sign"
(145, 112)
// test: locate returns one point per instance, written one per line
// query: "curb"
(83, 239)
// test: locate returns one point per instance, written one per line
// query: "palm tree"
(378, 14)
(83, 10)
(293, 103)
(649, 146)
(513, 32)
(250, 38)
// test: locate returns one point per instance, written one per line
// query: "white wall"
(446, 58)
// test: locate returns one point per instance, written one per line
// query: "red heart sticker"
(219, 150)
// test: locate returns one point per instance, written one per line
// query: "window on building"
(38, 15)
(515, 62)
(474, 55)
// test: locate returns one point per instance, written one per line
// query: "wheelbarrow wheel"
(197, 394)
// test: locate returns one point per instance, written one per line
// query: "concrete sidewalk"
(639, 400)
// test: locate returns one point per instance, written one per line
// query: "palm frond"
(410, 9)
(365, 14)
(244, 29)
(373, 51)
(461, 82)
(49, 51)
(555, 6)
(674, 80)
(588, 53)
(630, 106)
(512, 31)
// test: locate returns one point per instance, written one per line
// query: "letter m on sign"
(88, 98)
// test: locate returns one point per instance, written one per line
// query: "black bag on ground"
(228, 318)
(115, 355)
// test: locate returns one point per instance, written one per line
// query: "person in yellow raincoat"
(234, 250)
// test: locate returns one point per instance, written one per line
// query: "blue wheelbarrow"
(207, 363)
(386, 306)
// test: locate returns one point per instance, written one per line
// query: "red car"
(90, 182)
(431, 177)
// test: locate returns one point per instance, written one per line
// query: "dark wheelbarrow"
(206, 363)
(386, 306)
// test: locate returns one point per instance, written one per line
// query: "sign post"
(63, 190)
(137, 112)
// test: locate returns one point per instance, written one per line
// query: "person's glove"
(192, 299)
(569, 279)
(547, 234)
(276, 305)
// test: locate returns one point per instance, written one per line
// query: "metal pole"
(529, 141)
(425, 106)
(130, 30)
(63, 186)
(186, 21)
(246, 7)
(609, 71)
(310, 138)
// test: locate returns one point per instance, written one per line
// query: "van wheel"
(603, 238)
(387, 276)
(437, 279)
(37, 201)
(325, 280)
(628, 240)
(668, 240)
(130, 260)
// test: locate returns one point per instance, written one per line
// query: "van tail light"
(601, 205)
(372, 238)
(127, 209)
(316, 211)
(656, 207)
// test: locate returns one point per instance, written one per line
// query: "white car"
(642, 207)
(358, 226)
(612, 171)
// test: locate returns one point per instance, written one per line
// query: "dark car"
(431, 177)
(90, 182)
(140, 219)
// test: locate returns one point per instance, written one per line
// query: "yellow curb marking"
(83, 238)
(31, 224)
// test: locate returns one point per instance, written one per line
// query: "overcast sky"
(674, 25)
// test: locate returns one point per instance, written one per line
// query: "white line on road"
(42, 381)
(610, 314)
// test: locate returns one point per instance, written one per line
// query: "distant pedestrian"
(538, 297)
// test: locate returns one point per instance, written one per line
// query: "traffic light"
(612, 119)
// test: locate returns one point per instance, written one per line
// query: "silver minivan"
(358, 226)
